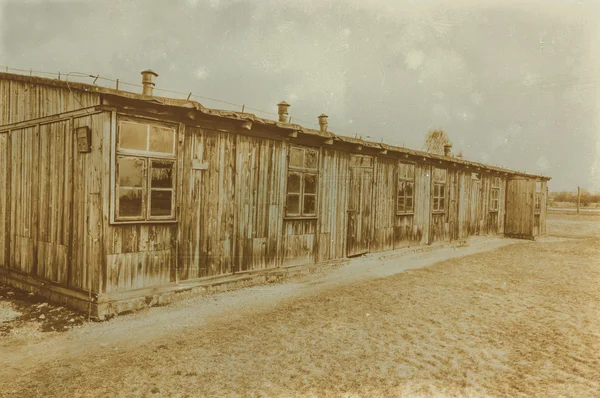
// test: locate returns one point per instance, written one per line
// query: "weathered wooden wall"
(138, 255)
(234, 206)
(4, 200)
(544, 209)
(23, 100)
(55, 207)
(386, 180)
(423, 204)
(23, 143)
(53, 202)
(439, 229)
(207, 239)
(333, 188)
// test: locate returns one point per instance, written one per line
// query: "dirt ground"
(497, 318)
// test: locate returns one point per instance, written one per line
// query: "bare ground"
(497, 318)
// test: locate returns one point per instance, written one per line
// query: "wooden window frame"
(495, 195)
(148, 158)
(302, 172)
(442, 192)
(404, 179)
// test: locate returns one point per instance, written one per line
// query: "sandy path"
(492, 319)
(155, 323)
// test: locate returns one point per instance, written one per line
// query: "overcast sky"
(513, 83)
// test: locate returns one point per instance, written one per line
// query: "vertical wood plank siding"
(233, 209)
(25, 101)
(333, 189)
(385, 204)
(544, 212)
(423, 203)
(520, 208)
(54, 198)
(4, 207)
(55, 203)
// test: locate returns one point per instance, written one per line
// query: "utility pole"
(578, 197)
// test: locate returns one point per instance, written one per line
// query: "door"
(453, 208)
(475, 217)
(360, 226)
(519, 220)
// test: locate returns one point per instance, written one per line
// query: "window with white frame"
(439, 190)
(145, 171)
(302, 180)
(538, 196)
(406, 184)
(495, 194)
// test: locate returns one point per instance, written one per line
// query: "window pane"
(439, 175)
(296, 157)
(293, 185)
(310, 183)
(407, 171)
(131, 172)
(442, 206)
(355, 160)
(401, 186)
(401, 206)
(293, 204)
(409, 204)
(162, 174)
(409, 189)
(160, 202)
(162, 139)
(309, 205)
(410, 171)
(133, 136)
(436, 204)
(436, 190)
(130, 202)
(311, 159)
(442, 191)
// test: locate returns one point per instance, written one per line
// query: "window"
(439, 190)
(495, 193)
(538, 196)
(145, 172)
(302, 179)
(406, 184)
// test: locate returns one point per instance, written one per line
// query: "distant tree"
(435, 141)
(459, 155)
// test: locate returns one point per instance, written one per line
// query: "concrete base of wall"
(122, 302)
(103, 306)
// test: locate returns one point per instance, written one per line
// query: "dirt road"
(496, 318)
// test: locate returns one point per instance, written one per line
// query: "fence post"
(578, 198)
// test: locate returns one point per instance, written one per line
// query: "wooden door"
(475, 219)
(454, 206)
(519, 220)
(360, 225)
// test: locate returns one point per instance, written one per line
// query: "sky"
(513, 83)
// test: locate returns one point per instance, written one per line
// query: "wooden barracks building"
(109, 199)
